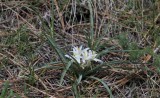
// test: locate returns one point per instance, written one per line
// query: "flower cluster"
(82, 56)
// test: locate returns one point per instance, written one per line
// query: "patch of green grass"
(7, 92)
(124, 34)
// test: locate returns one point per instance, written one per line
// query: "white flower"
(77, 58)
(89, 55)
(76, 54)
(86, 56)
(83, 56)
(77, 51)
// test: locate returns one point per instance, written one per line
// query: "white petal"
(98, 60)
(84, 61)
(86, 49)
(68, 56)
(78, 60)
(89, 57)
(80, 47)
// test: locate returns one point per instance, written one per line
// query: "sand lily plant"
(81, 67)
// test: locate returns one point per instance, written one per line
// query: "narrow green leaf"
(65, 71)
(57, 49)
(104, 52)
(4, 91)
(95, 69)
(105, 85)
(11, 94)
(91, 25)
(79, 79)
(97, 42)
(108, 64)
(75, 90)
(52, 19)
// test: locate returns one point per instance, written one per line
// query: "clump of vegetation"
(119, 58)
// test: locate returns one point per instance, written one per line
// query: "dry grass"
(33, 69)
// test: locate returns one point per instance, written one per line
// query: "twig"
(59, 14)
(45, 93)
